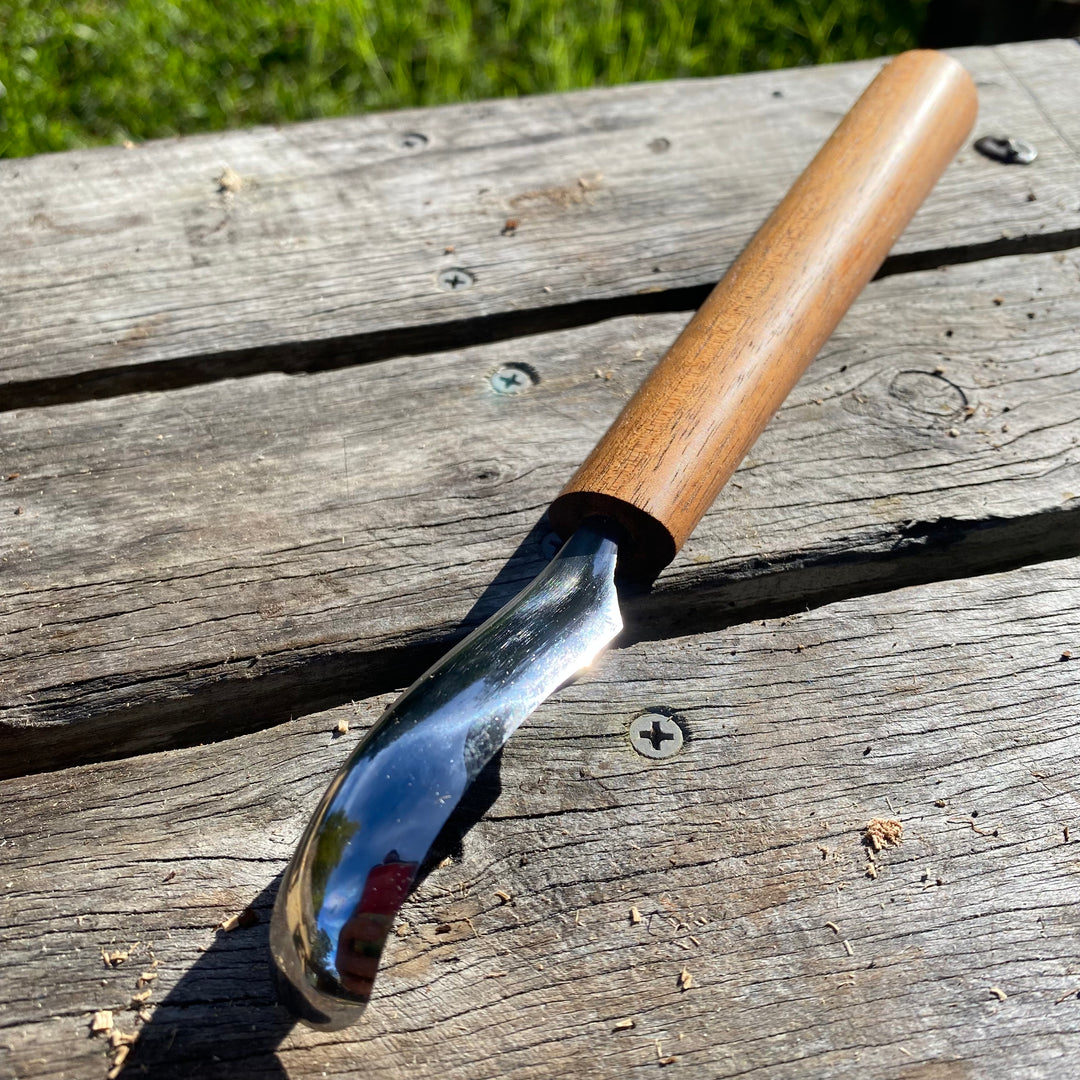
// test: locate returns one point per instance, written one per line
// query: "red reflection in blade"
(361, 940)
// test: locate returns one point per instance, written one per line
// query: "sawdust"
(881, 833)
(562, 197)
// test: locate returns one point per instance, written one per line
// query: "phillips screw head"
(656, 736)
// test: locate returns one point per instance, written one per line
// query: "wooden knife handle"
(678, 440)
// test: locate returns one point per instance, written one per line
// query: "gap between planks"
(333, 354)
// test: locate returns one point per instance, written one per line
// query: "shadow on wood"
(222, 1018)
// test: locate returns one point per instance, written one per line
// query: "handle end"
(647, 546)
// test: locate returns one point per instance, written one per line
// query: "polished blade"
(359, 856)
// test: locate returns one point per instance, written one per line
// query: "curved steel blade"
(359, 855)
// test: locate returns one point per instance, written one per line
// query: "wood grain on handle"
(678, 440)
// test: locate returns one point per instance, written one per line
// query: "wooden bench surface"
(256, 473)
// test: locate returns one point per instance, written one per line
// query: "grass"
(87, 72)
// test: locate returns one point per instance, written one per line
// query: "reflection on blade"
(360, 854)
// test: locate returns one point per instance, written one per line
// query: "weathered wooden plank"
(211, 560)
(1040, 81)
(111, 259)
(946, 705)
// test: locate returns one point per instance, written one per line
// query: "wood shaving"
(847, 948)
(230, 181)
(999, 993)
(118, 1038)
(503, 895)
(146, 977)
(444, 863)
(139, 998)
(145, 1015)
(114, 959)
(101, 1022)
(625, 1024)
(871, 871)
(833, 927)
(403, 929)
(342, 727)
(939, 803)
(496, 975)
(635, 916)
(118, 1062)
(881, 833)
(670, 1060)
(686, 980)
(247, 917)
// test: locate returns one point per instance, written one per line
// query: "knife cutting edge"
(631, 505)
